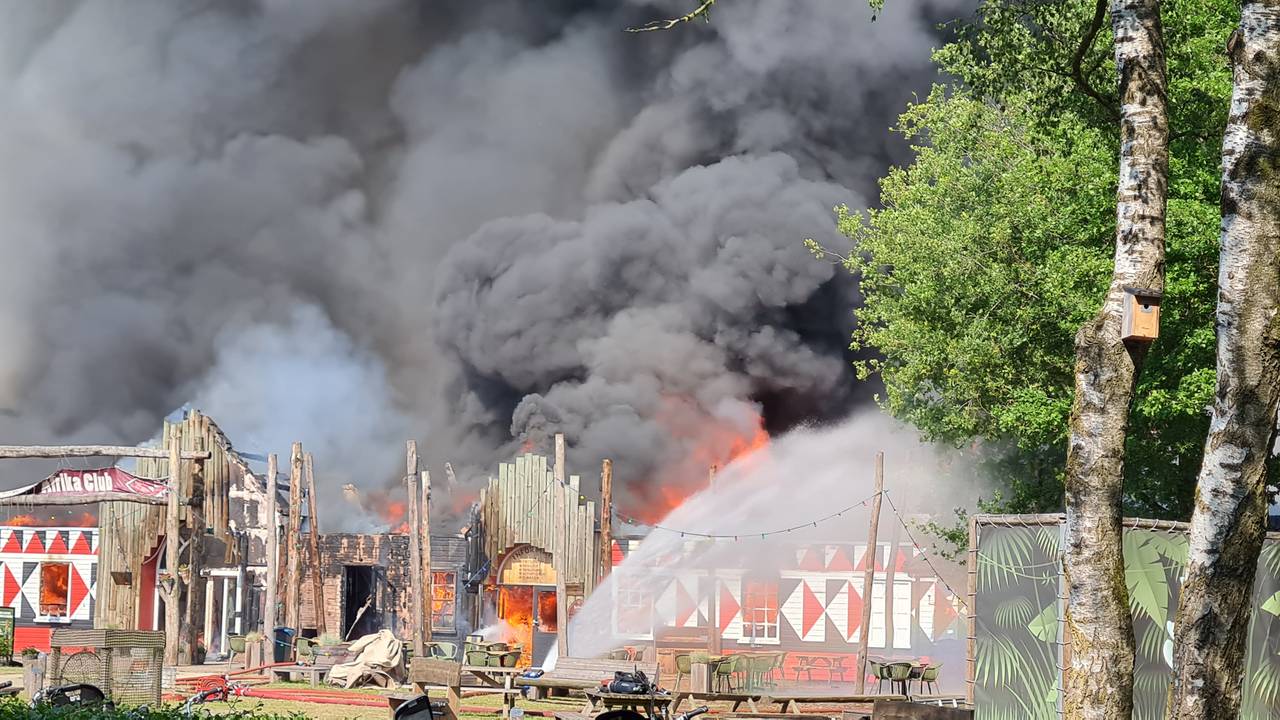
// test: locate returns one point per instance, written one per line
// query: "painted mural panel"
(1019, 638)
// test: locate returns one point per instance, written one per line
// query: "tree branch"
(703, 11)
(1077, 74)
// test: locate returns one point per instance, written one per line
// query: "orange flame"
(393, 512)
(711, 441)
(84, 519)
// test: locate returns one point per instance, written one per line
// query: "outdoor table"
(598, 699)
(498, 677)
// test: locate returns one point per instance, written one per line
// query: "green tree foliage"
(995, 245)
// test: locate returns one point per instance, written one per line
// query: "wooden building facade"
(541, 544)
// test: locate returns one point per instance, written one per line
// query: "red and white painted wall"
(49, 576)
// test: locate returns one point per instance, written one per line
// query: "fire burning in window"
(55, 579)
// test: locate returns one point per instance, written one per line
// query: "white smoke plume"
(474, 224)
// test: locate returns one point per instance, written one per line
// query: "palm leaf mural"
(1047, 539)
(1014, 612)
(1045, 625)
(1271, 558)
(1144, 574)
(1151, 639)
(1005, 555)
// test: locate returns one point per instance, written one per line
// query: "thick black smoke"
(476, 223)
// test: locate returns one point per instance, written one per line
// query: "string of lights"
(924, 555)
(727, 536)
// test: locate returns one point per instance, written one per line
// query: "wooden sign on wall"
(527, 566)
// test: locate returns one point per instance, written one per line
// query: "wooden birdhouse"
(1141, 315)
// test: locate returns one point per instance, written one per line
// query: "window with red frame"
(760, 611)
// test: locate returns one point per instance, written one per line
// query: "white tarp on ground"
(379, 661)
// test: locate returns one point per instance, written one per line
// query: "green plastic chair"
(304, 651)
(477, 657)
(757, 667)
(899, 674)
(444, 650)
(509, 659)
(724, 672)
(684, 669)
(929, 676)
(877, 672)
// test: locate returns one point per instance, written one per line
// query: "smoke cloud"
(475, 224)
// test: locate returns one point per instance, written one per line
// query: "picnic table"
(498, 677)
(599, 700)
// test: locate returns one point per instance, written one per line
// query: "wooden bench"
(737, 698)
(583, 674)
(315, 673)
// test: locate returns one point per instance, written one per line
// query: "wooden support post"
(424, 533)
(606, 519)
(171, 540)
(868, 578)
(561, 520)
(273, 557)
(317, 574)
(415, 550)
(193, 479)
(293, 546)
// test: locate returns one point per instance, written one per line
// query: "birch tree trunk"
(1099, 682)
(1227, 526)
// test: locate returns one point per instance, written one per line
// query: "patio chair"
(724, 671)
(929, 676)
(444, 650)
(477, 657)
(757, 667)
(684, 669)
(509, 659)
(304, 651)
(877, 672)
(778, 670)
(237, 645)
(618, 654)
(899, 675)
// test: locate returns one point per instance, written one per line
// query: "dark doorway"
(360, 614)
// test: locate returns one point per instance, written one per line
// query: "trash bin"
(284, 644)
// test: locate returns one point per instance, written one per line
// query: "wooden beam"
(868, 578)
(273, 558)
(415, 550)
(293, 546)
(80, 499)
(317, 579)
(424, 513)
(971, 610)
(606, 519)
(561, 520)
(171, 550)
(17, 452)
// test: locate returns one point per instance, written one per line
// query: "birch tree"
(1227, 526)
(1099, 682)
